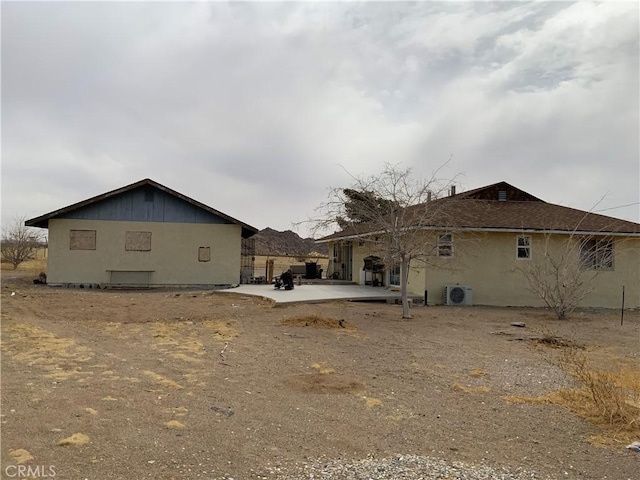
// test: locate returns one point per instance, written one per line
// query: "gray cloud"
(257, 108)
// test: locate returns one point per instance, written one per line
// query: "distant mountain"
(272, 242)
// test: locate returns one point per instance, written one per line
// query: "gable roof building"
(487, 229)
(143, 234)
(503, 207)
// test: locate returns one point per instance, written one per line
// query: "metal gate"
(247, 259)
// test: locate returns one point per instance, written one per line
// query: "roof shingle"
(481, 209)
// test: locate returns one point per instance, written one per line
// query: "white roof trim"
(497, 230)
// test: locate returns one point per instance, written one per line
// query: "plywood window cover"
(204, 254)
(82, 240)
(138, 242)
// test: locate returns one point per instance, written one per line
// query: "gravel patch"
(400, 467)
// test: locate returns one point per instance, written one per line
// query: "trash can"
(311, 270)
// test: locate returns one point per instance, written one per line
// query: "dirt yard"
(175, 384)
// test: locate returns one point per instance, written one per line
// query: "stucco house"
(483, 240)
(143, 234)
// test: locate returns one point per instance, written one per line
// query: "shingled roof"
(503, 207)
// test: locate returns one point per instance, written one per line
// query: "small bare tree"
(563, 273)
(388, 212)
(19, 242)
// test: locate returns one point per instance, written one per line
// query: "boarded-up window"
(204, 254)
(82, 240)
(138, 242)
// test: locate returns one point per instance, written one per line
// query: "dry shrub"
(317, 321)
(555, 341)
(607, 398)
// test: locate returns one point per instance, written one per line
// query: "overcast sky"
(257, 109)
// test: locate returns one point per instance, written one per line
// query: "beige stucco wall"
(487, 262)
(173, 256)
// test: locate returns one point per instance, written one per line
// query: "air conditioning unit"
(458, 295)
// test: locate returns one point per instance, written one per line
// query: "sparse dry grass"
(372, 402)
(607, 391)
(61, 358)
(164, 381)
(610, 398)
(20, 455)
(468, 389)
(174, 425)
(36, 265)
(75, 439)
(322, 370)
(317, 321)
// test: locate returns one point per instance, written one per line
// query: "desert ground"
(163, 384)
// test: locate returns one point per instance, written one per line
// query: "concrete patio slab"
(315, 293)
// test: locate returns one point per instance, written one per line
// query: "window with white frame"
(445, 245)
(523, 249)
(596, 254)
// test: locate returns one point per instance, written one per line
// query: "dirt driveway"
(168, 384)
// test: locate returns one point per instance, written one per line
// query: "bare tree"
(19, 242)
(563, 273)
(388, 212)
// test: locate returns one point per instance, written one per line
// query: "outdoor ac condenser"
(458, 295)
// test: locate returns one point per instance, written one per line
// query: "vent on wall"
(502, 195)
(458, 295)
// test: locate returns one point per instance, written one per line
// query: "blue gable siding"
(145, 204)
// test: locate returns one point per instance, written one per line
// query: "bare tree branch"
(19, 242)
(389, 212)
(563, 273)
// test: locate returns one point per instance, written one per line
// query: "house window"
(596, 254)
(82, 240)
(137, 242)
(394, 275)
(204, 254)
(445, 245)
(524, 247)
